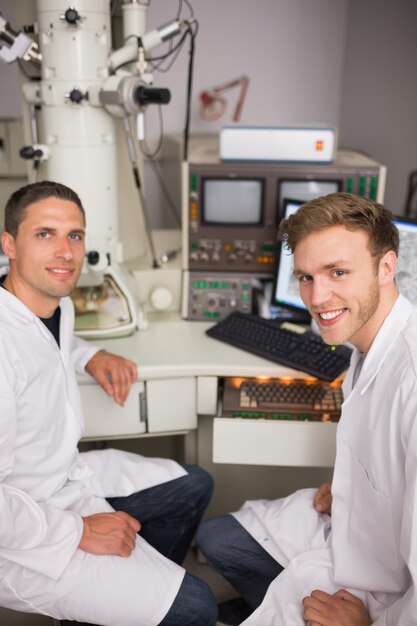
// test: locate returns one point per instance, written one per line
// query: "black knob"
(77, 96)
(152, 95)
(93, 257)
(29, 152)
(72, 16)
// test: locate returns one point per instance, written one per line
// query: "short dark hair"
(343, 209)
(15, 210)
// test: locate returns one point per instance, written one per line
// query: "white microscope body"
(82, 91)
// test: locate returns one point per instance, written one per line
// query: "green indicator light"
(194, 246)
(194, 182)
(207, 314)
(217, 285)
(349, 185)
(306, 416)
(267, 248)
(215, 314)
(245, 285)
(374, 185)
(245, 297)
(362, 185)
(333, 348)
(226, 285)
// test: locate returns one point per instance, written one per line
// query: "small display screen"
(306, 189)
(286, 287)
(406, 275)
(237, 201)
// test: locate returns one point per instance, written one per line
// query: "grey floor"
(221, 589)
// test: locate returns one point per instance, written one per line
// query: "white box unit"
(278, 144)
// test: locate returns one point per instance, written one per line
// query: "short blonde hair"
(342, 209)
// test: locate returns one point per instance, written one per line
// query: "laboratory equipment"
(282, 399)
(84, 87)
(287, 144)
(299, 349)
(285, 291)
(231, 211)
(215, 295)
(213, 103)
(406, 274)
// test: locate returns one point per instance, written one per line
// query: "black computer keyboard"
(306, 352)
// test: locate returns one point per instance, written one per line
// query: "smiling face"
(47, 254)
(347, 293)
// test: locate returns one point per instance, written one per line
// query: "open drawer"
(270, 442)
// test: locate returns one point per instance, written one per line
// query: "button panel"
(213, 296)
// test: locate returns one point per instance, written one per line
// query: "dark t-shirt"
(51, 323)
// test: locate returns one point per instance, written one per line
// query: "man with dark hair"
(69, 522)
(345, 555)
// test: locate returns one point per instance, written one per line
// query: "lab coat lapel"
(385, 339)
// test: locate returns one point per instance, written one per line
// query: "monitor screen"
(286, 287)
(306, 189)
(236, 201)
(406, 276)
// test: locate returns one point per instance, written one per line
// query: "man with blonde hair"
(348, 552)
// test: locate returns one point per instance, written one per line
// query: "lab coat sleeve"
(35, 535)
(404, 611)
(81, 352)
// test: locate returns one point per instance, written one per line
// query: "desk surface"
(173, 347)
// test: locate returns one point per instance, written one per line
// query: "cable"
(189, 90)
(132, 156)
(165, 192)
(143, 146)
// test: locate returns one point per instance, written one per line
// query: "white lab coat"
(46, 486)
(369, 545)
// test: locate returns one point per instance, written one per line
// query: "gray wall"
(349, 63)
(379, 113)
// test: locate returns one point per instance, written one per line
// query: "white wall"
(292, 50)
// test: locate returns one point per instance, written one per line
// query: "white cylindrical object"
(81, 137)
(134, 19)
(161, 298)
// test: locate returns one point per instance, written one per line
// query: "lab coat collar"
(24, 316)
(385, 338)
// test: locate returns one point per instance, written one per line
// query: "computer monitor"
(406, 275)
(286, 300)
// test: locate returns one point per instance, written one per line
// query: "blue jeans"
(194, 605)
(234, 553)
(170, 513)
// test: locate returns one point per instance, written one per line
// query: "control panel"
(229, 252)
(212, 296)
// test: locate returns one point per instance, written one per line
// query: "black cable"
(175, 51)
(165, 192)
(167, 54)
(143, 146)
(189, 90)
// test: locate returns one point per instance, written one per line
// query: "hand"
(340, 609)
(323, 499)
(114, 373)
(109, 533)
